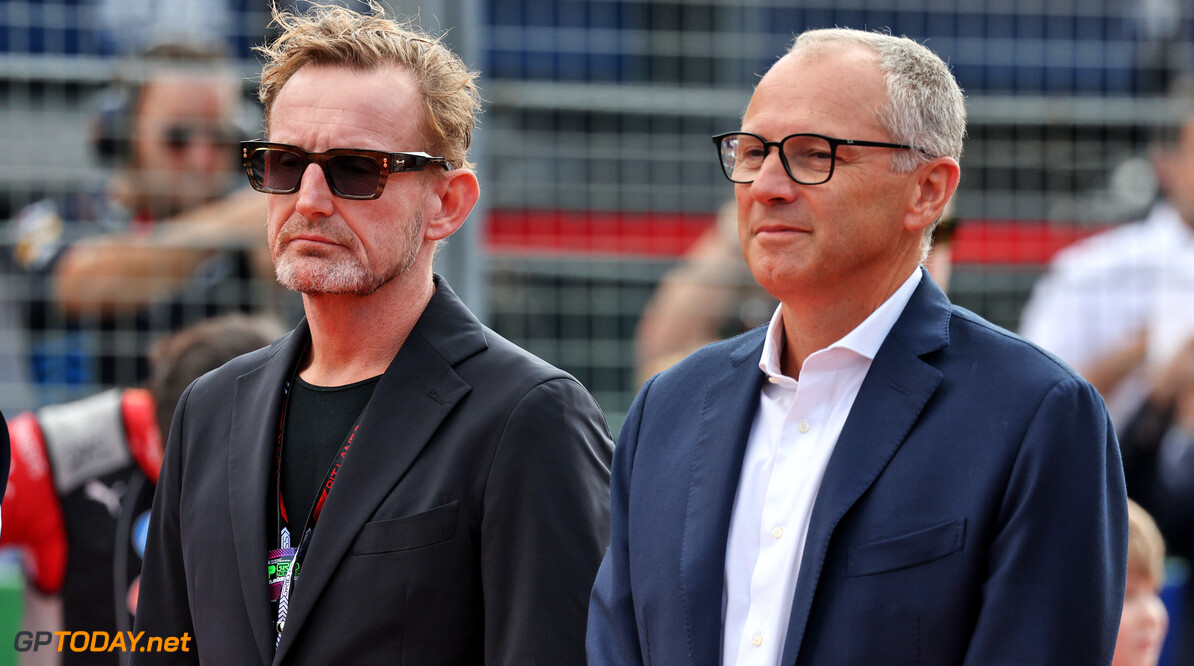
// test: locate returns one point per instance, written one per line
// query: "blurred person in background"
(1144, 622)
(711, 295)
(83, 476)
(1116, 306)
(392, 481)
(1158, 454)
(170, 242)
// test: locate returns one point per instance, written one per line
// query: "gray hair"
(925, 107)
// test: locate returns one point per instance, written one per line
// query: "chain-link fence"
(597, 170)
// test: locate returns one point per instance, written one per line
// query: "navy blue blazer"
(973, 510)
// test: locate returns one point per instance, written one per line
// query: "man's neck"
(354, 338)
(814, 324)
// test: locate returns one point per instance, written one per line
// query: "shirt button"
(757, 640)
(802, 426)
(777, 532)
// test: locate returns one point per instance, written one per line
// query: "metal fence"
(596, 166)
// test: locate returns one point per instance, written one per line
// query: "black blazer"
(466, 525)
(5, 457)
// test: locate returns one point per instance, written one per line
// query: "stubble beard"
(313, 274)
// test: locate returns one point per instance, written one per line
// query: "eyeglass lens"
(351, 175)
(809, 158)
(180, 136)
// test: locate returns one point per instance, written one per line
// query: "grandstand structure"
(596, 167)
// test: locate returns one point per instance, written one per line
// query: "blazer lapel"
(417, 391)
(256, 409)
(727, 412)
(896, 389)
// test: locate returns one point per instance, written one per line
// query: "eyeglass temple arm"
(417, 161)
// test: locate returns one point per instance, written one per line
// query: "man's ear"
(457, 192)
(936, 183)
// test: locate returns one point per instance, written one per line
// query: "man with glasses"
(877, 476)
(392, 481)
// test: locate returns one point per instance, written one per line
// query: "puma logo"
(109, 496)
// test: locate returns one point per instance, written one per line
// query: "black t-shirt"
(318, 420)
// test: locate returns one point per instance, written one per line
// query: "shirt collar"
(864, 340)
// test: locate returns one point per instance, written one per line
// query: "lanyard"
(285, 562)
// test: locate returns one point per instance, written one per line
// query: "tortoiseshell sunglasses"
(351, 173)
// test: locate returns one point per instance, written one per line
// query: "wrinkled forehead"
(375, 108)
(824, 90)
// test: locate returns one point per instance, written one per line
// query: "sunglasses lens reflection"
(281, 171)
(354, 175)
(278, 169)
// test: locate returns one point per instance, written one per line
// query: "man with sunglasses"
(168, 242)
(877, 476)
(392, 481)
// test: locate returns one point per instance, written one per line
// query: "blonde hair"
(335, 36)
(1146, 548)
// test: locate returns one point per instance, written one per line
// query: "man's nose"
(314, 194)
(772, 183)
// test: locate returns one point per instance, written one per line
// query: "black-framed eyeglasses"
(351, 173)
(808, 158)
(179, 136)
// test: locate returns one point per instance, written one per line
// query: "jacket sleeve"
(1055, 579)
(163, 605)
(5, 454)
(545, 526)
(613, 629)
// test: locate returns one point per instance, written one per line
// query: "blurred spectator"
(711, 295)
(83, 476)
(1158, 455)
(166, 245)
(1116, 306)
(1144, 622)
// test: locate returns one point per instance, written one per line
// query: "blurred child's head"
(1144, 621)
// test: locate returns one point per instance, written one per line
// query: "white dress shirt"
(1102, 291)
(795, 430)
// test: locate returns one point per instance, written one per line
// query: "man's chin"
(324, 282)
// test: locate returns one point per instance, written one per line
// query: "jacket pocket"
(409, 532)
(907, 550)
